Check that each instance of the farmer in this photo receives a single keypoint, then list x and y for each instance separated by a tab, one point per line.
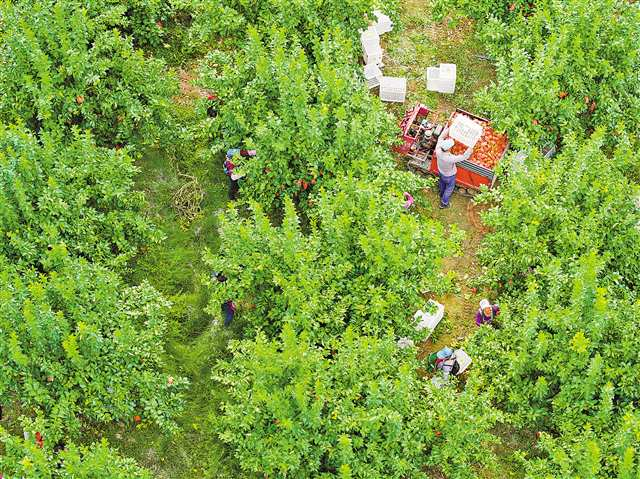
487	312
212	111
449	366
444	360
447	166
228	307
435	360
228	167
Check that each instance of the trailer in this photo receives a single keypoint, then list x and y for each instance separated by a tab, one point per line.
419	135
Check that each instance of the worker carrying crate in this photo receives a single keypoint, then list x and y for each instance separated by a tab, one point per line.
447	169
420	135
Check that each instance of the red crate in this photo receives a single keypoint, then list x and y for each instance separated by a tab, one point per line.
411	117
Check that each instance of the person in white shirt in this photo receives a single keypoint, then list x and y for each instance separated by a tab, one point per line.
447	166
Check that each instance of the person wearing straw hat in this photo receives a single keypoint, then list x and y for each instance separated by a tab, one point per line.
447	166
487	312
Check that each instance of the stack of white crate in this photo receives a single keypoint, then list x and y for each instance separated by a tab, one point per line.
442	79
372	75
391	88
371	49
383	22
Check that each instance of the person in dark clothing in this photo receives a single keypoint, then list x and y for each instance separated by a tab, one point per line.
212	111
229	166
229	310
228	307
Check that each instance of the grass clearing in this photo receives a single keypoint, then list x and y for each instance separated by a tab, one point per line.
194	345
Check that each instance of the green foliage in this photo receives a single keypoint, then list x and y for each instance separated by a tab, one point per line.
553	211
364	263
568	369
297	411
567	68
23	458
78	344
210	21
60	67
143	20
76	196
309	117
482	10
306	20
588	454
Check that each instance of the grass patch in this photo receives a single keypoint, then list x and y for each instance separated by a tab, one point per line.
193	345
421	43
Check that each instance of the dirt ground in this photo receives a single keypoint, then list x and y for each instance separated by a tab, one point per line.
462	304
407	53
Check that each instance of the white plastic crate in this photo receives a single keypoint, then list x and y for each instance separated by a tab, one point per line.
393	89
372	74
465	130
448	74
369	37
443	78
433	79
429	320
464	360
383	23
372	54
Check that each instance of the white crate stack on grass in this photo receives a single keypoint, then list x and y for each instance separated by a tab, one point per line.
371	49
372	75
443	78
372	54
393	89
383	22
369	36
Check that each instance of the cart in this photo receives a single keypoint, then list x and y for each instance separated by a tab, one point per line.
419	150
412	132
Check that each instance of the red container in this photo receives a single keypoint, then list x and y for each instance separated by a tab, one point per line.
411	121
471	175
